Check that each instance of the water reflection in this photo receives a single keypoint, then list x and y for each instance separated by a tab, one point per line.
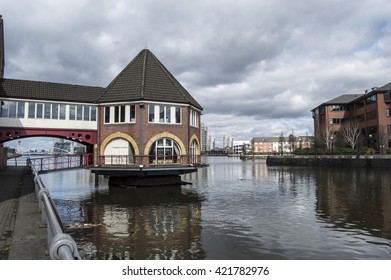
355	198
150	223
234	210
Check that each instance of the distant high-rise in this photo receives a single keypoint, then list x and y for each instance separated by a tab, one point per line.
227	140
204	138
211	142
2	59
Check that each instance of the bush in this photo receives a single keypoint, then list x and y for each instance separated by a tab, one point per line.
368	151
346	151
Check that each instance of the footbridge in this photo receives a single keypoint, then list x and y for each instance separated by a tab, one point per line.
33	108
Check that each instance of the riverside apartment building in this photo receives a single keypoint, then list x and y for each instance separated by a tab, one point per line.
370	112
274	145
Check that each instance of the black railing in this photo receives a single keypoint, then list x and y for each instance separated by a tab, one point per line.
149	160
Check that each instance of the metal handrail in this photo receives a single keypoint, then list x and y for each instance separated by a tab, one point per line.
61	245
60	162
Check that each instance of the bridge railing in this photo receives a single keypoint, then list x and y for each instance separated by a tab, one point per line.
61	246
60	162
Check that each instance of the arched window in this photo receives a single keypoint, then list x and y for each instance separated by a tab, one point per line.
119	152
164	151
194	152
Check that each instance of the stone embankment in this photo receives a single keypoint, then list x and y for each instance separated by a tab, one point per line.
341	160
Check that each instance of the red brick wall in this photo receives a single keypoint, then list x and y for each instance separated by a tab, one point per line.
381	121
183	131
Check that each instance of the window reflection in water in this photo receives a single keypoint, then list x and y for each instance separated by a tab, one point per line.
150	223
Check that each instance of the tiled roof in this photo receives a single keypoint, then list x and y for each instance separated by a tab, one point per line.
384	88
10	88
343	99
349	98
146	78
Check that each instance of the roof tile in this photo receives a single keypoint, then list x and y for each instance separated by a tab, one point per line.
36	90
146	78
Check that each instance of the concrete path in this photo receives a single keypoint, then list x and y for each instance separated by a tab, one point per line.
22	236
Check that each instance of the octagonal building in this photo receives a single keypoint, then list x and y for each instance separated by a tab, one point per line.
147	118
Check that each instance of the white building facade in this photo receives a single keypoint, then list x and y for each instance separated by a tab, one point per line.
241	146
227	140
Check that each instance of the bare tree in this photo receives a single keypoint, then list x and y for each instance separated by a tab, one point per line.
291	140
382	139
351	132
326	137
281	141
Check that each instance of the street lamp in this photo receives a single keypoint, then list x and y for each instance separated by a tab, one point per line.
370	140
332	143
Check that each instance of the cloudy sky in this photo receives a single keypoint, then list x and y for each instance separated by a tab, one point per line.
257	67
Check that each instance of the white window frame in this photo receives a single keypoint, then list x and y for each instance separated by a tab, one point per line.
194	117
14	109
127	112
169	114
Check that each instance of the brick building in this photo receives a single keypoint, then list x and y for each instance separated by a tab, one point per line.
143	117
273	145
147	116
369	112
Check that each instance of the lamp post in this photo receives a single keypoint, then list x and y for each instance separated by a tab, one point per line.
370	141
382	149
332	144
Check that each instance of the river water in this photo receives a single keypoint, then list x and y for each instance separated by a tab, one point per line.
232	210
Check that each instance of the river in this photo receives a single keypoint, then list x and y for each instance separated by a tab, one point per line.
232	210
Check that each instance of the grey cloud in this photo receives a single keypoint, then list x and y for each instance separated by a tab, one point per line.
251	60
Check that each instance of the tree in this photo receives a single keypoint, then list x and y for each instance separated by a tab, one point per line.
291	140
326	137
351	132
383	136
281	141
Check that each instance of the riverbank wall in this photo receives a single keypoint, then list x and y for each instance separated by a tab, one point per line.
341	160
